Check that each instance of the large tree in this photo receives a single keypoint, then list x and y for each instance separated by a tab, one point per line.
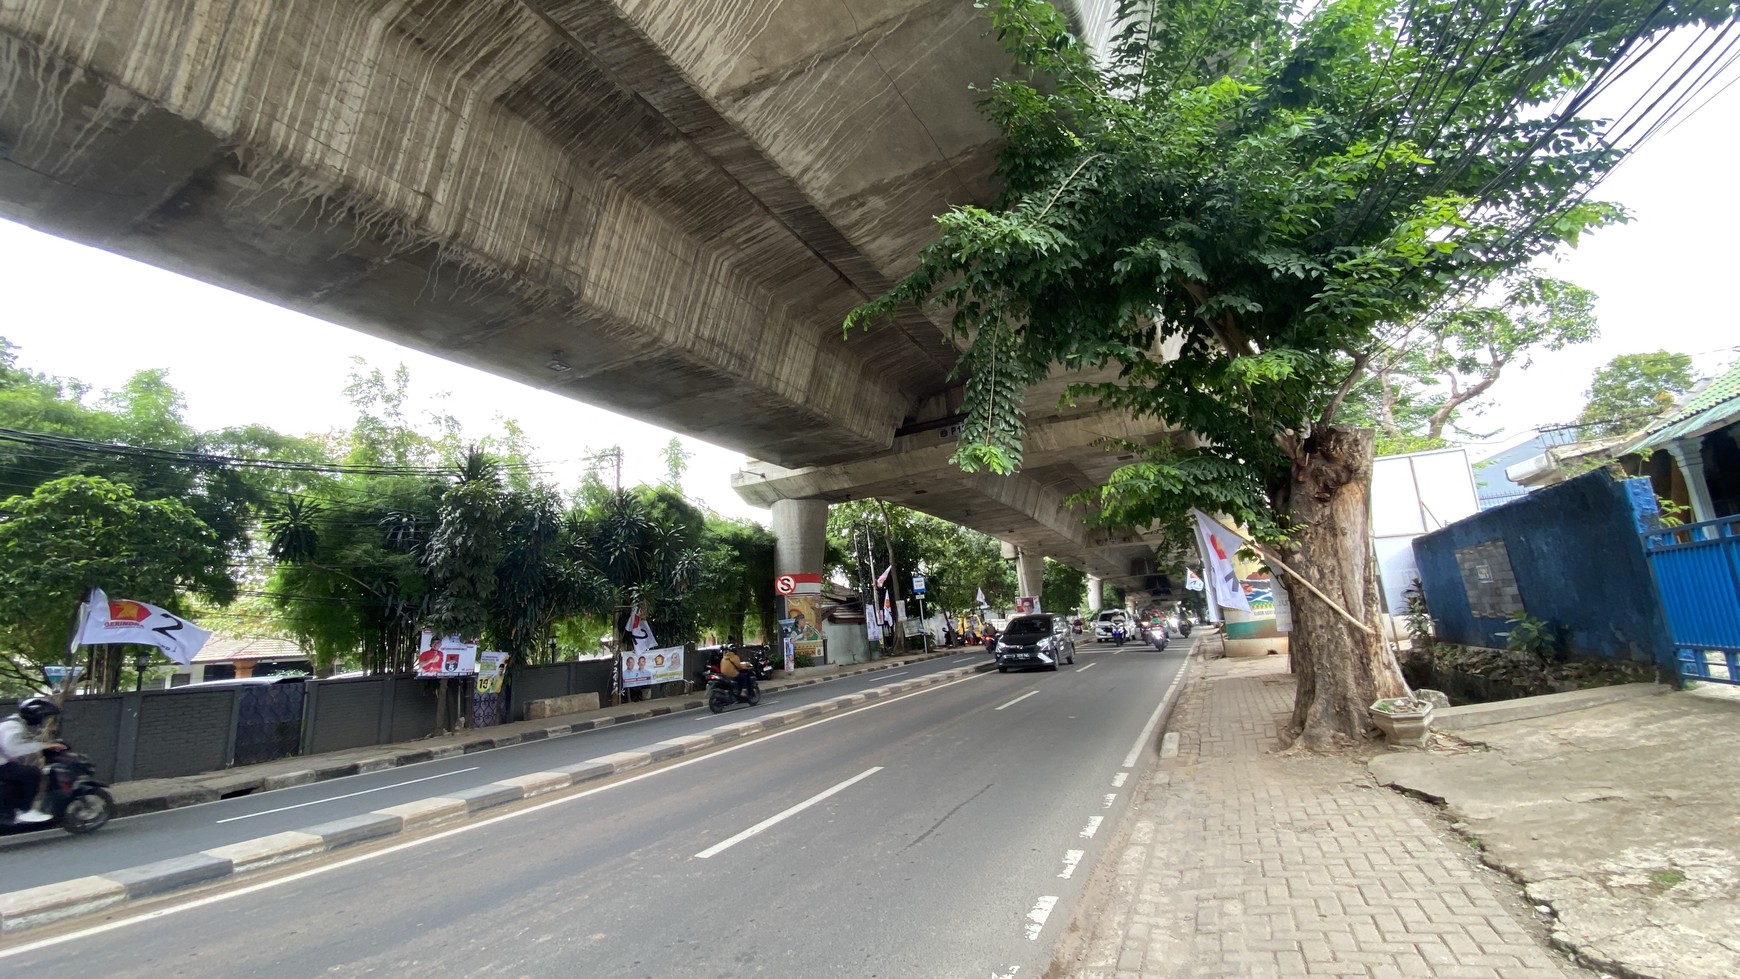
75	533
1268	186
1631	389
1427	373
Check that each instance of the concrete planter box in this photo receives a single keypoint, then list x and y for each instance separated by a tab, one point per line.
1405	722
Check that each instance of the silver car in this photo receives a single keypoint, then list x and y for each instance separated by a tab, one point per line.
1035	642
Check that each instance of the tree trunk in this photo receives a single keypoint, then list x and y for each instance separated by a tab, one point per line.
1341	668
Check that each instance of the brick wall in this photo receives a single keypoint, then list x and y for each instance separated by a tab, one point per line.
346	713
184	732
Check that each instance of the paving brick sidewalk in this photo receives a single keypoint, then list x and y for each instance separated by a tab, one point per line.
1244	863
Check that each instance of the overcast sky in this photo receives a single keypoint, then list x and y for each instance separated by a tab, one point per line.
1665	281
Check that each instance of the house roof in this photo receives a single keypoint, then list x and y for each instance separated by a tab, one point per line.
1713	406
228	649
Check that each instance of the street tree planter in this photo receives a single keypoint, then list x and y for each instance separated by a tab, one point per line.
1404	720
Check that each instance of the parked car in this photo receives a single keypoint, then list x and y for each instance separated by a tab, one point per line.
1103	624
1040	641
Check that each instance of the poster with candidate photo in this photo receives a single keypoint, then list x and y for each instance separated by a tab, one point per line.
439	656
663	664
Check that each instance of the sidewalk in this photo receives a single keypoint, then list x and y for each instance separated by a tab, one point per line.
1240	862
156	794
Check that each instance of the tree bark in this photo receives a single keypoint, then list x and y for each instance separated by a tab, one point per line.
1341	668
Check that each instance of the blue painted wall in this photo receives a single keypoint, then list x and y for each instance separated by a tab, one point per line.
1578	562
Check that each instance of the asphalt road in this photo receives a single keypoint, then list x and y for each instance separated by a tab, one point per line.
948	832
46	857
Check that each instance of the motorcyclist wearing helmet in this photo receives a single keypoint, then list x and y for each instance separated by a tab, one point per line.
20	753
732	667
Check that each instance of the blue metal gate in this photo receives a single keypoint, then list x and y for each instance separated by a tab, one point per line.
1697	572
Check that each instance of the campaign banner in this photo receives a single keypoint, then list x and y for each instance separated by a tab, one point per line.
660	665
490	671
439	656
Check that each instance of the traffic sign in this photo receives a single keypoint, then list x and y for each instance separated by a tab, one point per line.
785	584
918	584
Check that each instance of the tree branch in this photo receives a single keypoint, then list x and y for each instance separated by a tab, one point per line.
1226	331
1347	383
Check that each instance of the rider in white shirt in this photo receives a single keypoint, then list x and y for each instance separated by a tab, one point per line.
20	753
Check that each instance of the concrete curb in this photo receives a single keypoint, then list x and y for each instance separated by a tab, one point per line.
53	903
1525	708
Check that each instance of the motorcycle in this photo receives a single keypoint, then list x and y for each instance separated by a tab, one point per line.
71	794
1157	636
1184	627
1118	634
722	692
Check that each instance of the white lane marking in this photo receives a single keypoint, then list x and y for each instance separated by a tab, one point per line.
348	795
1111	799
780	817
197	903
1087	667
966	659
1154	719
1071	859
1119	779
1036	917
1017	700
884	676
1092	827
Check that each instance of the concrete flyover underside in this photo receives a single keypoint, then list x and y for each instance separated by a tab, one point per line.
662	207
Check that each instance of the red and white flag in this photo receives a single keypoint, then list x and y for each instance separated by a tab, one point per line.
1218	546
126	621
640	632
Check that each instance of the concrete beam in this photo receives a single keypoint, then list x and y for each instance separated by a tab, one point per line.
926	456
533	188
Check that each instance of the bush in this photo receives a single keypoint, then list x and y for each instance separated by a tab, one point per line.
801	660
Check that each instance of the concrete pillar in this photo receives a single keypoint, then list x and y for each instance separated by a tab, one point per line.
800	533
1096	588
1688	453
1030	572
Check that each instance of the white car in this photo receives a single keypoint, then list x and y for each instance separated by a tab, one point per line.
1103	625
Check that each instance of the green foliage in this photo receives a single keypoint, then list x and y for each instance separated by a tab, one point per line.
1418	616
1064	589
1267	190
80	532
1431	370
956	561
1535	637
1631	389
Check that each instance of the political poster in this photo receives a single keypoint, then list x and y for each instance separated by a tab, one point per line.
806	627
490	671
662	664
439	656
123	620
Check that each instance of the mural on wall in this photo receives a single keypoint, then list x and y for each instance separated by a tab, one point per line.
806	628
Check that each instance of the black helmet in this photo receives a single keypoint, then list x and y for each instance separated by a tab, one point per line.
35	710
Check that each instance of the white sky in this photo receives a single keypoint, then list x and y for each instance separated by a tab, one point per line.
1664	282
